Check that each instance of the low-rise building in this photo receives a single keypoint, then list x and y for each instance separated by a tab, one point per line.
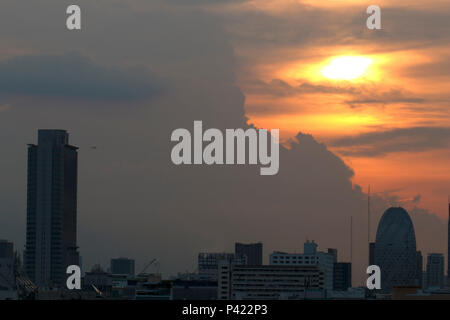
269	282
310	257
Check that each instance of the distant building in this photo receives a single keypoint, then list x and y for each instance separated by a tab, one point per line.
419	268
273	282
371	253
122	266
342	279
194	290
395	250
100	279
334	253
253	252
51	238
310	257
435	270
208	263
415	293
7	278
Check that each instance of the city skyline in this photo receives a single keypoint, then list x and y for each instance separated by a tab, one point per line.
137	72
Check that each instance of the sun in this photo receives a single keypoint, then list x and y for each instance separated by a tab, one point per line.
346	67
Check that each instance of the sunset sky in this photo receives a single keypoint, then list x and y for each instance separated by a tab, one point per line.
392	123
354	107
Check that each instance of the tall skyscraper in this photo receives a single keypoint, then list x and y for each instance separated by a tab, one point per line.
253	252
51	240
435	270
395	250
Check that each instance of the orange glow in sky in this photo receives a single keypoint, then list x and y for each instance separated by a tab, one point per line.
346	85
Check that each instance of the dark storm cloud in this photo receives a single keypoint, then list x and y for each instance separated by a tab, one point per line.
73	76
414	139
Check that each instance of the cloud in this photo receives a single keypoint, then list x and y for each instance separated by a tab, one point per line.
415	139
280	88
376	97
74	76
132	200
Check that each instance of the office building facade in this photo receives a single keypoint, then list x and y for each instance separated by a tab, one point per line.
269	282
253	252
310	257
51	239
7	277
208	263
342	276
435	271
122	266
395	250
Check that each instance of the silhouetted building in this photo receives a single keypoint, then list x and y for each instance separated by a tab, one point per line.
435	270
208	263
123	266
342	276
311	256
395	250
371	253
334	253
274	282
194	290
419	268
51	239
253	252
100	279
7	279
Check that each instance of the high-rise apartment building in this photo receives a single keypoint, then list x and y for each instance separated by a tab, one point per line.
51	239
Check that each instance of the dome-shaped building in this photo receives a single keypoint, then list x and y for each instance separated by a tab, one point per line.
395	250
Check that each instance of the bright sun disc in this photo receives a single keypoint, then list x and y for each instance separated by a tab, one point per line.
346	68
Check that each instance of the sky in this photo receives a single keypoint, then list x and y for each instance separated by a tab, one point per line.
140	69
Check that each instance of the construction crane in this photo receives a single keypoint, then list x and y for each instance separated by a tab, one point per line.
26	288
142	273
97	291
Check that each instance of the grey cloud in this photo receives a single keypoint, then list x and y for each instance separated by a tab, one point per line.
414	139
301	24
74	76
278	87
371	97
